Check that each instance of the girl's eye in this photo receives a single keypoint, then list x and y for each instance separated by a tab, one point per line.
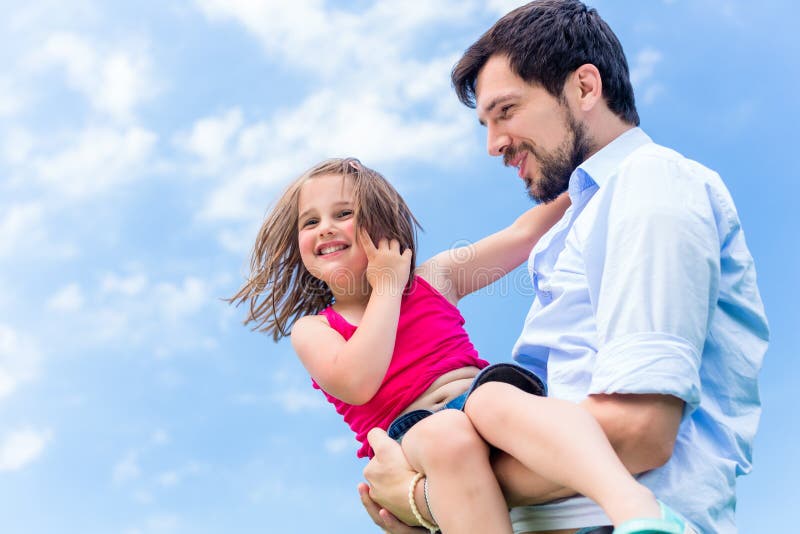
345	213
308	222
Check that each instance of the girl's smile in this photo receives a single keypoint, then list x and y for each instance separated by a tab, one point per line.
331	248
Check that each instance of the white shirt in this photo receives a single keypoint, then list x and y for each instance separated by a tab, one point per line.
646	285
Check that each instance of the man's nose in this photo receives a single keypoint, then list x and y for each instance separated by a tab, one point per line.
496	141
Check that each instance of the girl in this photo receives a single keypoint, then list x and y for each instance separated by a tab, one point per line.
334	264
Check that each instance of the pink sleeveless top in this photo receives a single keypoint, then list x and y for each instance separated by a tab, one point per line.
430	342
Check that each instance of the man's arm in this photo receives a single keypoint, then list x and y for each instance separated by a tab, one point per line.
641	428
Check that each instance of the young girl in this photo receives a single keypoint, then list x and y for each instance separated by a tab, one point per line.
334	263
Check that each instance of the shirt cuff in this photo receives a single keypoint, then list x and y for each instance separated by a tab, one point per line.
649	363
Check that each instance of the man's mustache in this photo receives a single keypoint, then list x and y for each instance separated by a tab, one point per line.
511	152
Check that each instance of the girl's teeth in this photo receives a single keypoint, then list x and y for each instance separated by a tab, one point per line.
329	250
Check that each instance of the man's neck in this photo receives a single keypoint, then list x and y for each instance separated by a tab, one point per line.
605	128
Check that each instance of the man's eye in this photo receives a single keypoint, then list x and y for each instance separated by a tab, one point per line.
505	109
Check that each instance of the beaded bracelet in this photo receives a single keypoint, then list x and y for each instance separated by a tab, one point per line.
413	504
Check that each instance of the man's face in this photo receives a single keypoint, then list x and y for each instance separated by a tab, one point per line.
533	130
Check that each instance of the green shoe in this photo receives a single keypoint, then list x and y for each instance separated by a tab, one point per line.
670	523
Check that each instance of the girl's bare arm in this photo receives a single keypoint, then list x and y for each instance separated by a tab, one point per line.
353	370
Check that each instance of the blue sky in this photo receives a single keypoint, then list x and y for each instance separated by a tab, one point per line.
140	146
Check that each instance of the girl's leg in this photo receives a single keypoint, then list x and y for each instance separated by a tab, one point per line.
463	492
561	442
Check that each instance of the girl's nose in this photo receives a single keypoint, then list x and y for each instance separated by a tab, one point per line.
325	227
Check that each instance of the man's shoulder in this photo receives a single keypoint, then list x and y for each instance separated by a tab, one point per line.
654	169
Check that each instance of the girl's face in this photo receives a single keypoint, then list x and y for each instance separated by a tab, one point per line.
326	233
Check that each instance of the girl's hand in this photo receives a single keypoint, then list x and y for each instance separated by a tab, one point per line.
388	269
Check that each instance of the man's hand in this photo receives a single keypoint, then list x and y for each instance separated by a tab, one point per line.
389	475
383	517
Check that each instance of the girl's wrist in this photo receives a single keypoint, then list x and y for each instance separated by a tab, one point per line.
388	287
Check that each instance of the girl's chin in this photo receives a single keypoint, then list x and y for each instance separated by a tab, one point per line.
344	281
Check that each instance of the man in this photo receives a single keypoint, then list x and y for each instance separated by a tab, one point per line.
646	311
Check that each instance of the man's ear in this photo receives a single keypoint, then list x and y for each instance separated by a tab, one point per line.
587	86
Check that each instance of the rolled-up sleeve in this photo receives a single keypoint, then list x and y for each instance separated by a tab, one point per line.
653	273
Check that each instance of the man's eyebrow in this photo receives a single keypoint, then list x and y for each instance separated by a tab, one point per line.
495	102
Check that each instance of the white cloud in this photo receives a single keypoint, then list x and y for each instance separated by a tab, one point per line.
238	240
67	299
100	158
19	360
21	447
340	444
501	7
651	93
174	477
644	66
127	469
24	233
365	125
209	139
324	40
17	144
28	18
114	81
142	497
20	226
131	310
124	285
12	98
237	198
359	106
168	479
160	437
158	524
642	75
177	302
297	400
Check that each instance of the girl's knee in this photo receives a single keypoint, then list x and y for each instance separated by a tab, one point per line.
491	402
446	437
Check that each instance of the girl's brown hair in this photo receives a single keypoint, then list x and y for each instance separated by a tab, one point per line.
280	289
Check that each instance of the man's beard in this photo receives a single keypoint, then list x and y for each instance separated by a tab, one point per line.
557	166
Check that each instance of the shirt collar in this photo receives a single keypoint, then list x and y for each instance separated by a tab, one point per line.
605	161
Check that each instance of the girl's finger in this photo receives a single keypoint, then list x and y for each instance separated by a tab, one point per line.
366	242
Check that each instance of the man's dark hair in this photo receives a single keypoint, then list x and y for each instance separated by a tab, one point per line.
545	41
